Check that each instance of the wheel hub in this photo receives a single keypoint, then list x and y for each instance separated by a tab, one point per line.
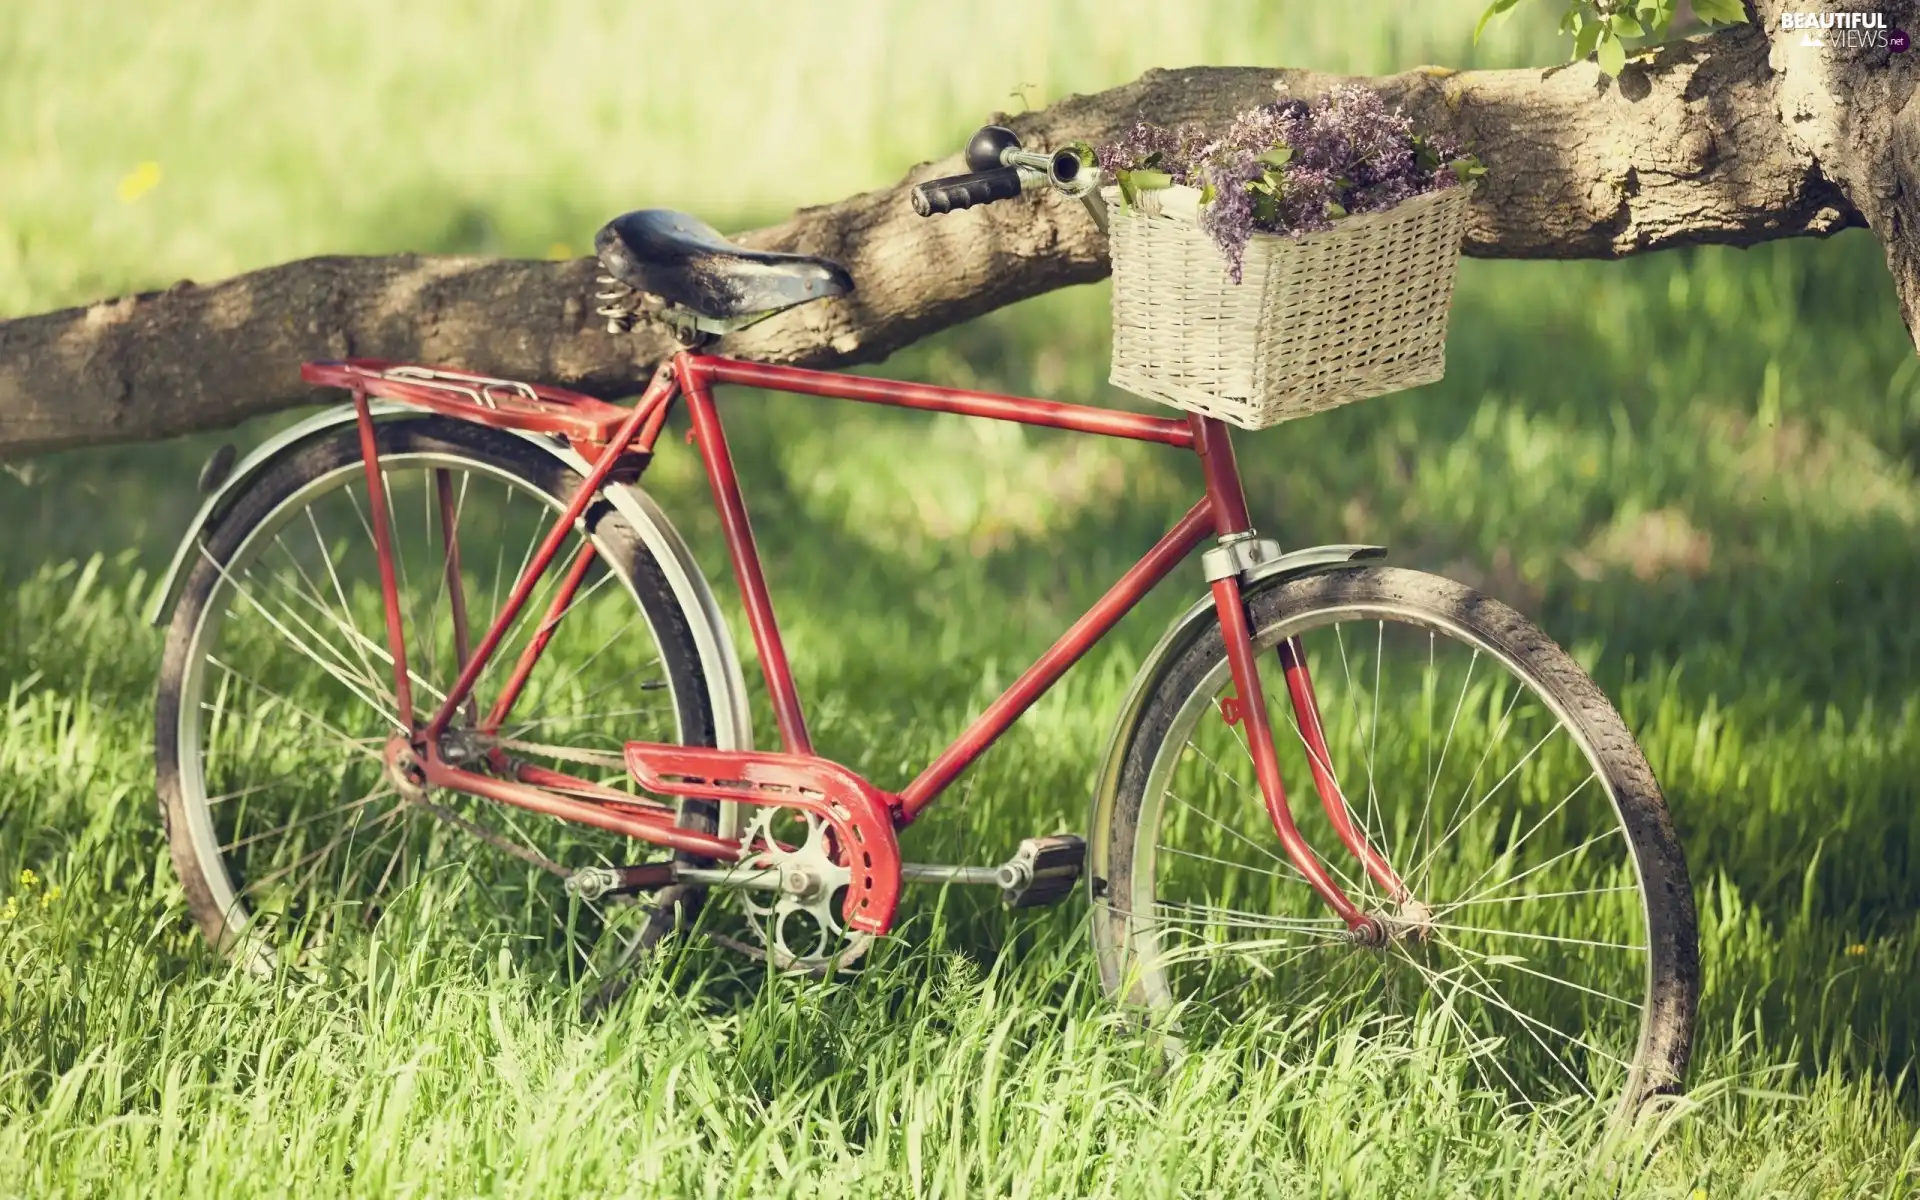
408	777
1412	921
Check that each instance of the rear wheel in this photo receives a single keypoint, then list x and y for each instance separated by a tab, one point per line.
1551	938
276	705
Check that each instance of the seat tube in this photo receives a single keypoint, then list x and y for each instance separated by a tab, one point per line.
697	388
1213	444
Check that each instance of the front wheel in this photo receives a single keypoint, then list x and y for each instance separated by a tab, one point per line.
1550	936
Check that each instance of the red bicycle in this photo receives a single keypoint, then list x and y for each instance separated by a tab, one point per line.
443	629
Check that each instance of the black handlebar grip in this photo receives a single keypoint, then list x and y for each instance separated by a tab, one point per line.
964	191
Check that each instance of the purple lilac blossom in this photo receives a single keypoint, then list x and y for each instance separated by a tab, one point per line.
1347	149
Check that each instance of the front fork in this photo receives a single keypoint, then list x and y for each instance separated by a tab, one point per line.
1249	708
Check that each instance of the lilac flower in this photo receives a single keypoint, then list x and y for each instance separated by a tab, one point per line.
1291	167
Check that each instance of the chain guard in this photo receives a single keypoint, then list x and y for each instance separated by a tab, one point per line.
859	815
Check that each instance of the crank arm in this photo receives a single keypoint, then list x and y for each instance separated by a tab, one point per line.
1042	871
768	879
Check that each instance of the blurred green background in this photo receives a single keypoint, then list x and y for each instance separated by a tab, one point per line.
1697	469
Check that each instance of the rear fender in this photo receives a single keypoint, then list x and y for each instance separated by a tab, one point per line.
726	688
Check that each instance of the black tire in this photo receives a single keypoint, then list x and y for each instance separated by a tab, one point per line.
1442	609
326	464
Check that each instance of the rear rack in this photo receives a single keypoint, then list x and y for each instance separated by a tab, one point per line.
502	403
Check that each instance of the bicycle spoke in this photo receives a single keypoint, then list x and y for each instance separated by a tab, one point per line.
1513	850
1433	774
1425	867
1524	936
330	668
1533	1025
1208	858
339	591
362	745
250	839
1376	835
341	617
1508	963
1448	1006
1238	919
385	818
1234	833
1534	896
361	642
1564	854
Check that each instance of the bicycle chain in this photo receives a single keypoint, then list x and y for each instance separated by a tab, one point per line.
589	758
501	843
493	839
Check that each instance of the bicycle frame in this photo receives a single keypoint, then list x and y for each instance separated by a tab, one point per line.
608	436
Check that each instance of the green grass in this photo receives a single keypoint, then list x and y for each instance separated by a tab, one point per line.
1697	470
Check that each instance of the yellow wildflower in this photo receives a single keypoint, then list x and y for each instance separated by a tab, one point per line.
28	880
11	909
138	182
50	895
1857	950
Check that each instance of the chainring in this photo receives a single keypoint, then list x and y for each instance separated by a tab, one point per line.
798	925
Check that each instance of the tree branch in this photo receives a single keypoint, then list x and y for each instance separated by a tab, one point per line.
1695	143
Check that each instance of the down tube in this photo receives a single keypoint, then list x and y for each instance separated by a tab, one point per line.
1076	641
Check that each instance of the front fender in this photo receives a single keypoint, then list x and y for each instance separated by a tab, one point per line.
727	691
1179	637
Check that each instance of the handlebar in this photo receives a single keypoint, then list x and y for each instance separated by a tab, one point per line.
1001	169
956	192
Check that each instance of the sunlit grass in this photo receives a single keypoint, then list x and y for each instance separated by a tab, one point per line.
1697	470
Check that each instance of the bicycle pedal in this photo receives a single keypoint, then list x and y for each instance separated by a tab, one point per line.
1042	871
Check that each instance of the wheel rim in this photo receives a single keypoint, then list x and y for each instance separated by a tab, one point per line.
1535	953
286	706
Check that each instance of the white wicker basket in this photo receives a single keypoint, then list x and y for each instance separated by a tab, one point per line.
1316	321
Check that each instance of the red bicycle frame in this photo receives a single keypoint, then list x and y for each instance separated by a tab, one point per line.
863	817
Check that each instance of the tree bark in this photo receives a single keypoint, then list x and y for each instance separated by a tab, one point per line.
1736	137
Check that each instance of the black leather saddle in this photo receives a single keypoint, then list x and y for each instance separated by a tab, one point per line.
686	262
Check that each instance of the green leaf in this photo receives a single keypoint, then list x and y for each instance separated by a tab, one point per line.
1150	181
1425	157
1207	192
1493	10
1624	26
1467	168
1583	43
1611	53
1335	209
1480	26
1720	12
1277	157
1150	161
